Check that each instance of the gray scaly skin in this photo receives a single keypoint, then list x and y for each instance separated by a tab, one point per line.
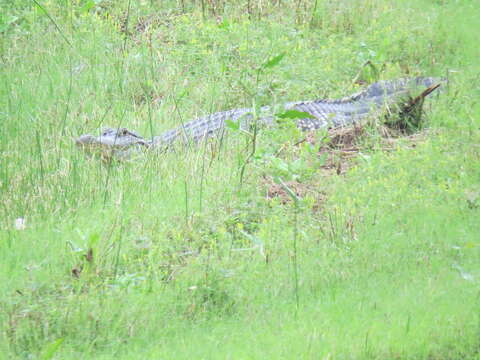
323	114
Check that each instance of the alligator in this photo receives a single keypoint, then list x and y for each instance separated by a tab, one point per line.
309	115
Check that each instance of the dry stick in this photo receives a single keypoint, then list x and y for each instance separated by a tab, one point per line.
418	101
424	94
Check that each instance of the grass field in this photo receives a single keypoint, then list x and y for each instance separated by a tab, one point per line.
199	254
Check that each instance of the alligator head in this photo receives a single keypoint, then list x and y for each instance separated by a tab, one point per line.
117	143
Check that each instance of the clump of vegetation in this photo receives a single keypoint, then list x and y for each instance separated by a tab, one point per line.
408	116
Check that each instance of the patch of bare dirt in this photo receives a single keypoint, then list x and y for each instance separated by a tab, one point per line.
340	147
344	144
301	190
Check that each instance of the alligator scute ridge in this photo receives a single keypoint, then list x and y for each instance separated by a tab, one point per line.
326	113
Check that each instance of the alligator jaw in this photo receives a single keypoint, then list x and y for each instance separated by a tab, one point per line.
117	143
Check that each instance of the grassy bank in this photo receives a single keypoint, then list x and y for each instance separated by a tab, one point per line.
199	253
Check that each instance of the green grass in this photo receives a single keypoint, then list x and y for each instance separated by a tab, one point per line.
189	261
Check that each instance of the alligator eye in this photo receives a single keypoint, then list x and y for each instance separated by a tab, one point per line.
124	132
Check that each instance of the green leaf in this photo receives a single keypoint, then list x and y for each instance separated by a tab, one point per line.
51	349
295	114
252	238
232	125
87	6
470	245
4	25
93	239
224	24
273	61
289	191
322	159
279	164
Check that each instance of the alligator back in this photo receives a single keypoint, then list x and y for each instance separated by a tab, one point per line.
324	113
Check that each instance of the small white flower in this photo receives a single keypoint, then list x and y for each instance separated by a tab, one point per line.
20	224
